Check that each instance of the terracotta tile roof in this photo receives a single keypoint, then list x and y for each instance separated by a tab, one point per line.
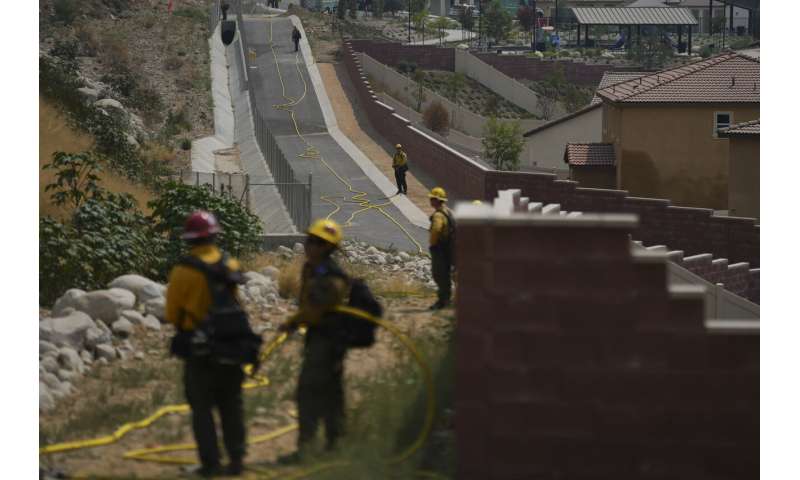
613	78
753	127
590	154
726	78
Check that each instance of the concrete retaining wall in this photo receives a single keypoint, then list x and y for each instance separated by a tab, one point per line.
403	88
692	230
499	82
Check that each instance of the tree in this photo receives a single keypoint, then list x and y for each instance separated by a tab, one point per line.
436	117
498	21
420	20
76	178
441	24
454	85
525	17
466	19
651	52
418	93
502	143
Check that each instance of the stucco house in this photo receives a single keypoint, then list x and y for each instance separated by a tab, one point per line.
664	128
744	168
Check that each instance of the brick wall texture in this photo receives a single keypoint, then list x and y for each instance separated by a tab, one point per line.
520	67
693	230
576	363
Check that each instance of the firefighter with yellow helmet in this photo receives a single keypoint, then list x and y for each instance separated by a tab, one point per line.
400	166
441	246
320	390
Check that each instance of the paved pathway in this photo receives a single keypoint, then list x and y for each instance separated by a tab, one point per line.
282	77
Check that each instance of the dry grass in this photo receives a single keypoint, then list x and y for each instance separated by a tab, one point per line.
289	278
56	135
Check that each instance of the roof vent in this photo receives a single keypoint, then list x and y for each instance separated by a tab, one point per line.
733	81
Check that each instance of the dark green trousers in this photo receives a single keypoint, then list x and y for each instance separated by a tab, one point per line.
320	389
440	268
209	385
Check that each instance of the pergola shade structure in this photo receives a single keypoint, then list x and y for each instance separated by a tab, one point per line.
637	16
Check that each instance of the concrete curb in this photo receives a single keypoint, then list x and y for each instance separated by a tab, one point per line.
414	215
202	156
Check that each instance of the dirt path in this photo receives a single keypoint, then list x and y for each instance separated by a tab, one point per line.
340	93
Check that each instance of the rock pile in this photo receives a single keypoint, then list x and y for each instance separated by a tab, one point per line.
90	328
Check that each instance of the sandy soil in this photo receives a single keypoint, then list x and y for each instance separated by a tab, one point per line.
342	97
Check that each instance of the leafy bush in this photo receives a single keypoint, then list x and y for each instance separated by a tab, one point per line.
186	144
738	43
66	11
706	51
436	117
241	230
502	143
107	236
76	178
404	66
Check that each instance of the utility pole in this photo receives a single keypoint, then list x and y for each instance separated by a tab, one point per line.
409	22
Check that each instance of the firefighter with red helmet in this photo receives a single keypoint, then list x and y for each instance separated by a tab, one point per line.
208	384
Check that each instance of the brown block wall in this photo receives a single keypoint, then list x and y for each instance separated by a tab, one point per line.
426	57
692	230
575	362
527	68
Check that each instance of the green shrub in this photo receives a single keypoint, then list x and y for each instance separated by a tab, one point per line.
241	230
186	144
502	144
706	51
65	10
107	236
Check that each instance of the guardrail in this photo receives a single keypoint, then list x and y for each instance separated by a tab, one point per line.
296	195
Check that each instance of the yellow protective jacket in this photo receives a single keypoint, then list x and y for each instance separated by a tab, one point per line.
399	160
322	288
440	228
188	297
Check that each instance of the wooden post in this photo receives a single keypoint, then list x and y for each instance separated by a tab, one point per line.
730	20
579	34
680	36
689	46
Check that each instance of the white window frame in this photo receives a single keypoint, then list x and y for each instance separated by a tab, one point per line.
716	125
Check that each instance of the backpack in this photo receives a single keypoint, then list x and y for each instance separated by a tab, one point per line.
359	332
353	331
224	335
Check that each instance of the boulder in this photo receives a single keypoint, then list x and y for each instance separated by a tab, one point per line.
91	94
156	307
50	364
285	251
64	389
139	356
66	375
132	316
45	347
255	277
271	272
46	400
122	328
372	251
96	336
151	323
299	248
110	103
144	288
87	357
69	330
69	359
105	352
50	379
70	299
106	305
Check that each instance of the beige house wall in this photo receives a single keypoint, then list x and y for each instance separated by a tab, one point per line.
744	194
545	149
671	151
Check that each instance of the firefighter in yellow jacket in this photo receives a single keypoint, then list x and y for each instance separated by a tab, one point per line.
400	166
441	247
320	389
207	384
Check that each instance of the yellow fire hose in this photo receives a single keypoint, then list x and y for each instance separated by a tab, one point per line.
154	454
358	197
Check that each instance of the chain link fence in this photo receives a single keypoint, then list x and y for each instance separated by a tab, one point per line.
296	195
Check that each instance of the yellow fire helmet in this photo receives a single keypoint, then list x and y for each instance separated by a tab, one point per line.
477	202
327	230
398	146
438	193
